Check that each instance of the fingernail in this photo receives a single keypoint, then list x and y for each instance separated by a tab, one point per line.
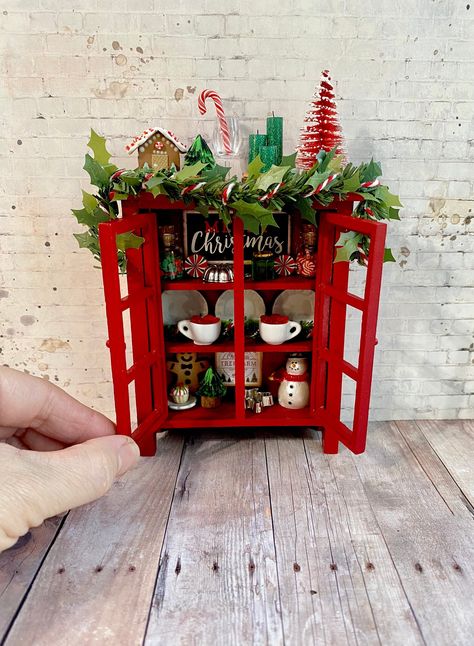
128	454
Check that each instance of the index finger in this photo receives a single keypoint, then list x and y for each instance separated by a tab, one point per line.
31	402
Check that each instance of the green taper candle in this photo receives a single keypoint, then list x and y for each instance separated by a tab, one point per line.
275	134
255	144
269	157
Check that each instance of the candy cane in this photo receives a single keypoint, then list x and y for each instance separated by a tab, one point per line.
224	126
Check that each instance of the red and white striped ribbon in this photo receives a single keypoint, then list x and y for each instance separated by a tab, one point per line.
223	125
226	192
192	188
321	186
272	193
370	184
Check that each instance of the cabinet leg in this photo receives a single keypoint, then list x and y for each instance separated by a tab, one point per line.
148	445
330	442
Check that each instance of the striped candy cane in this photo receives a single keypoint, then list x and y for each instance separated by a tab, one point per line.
223	125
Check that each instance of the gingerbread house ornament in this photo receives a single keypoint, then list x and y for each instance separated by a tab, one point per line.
157	147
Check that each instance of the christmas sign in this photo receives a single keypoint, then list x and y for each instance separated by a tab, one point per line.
211	238
225	367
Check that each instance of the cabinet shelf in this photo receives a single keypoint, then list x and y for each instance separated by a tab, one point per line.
189	346
194	283
277	415
199	417
291	346
279	284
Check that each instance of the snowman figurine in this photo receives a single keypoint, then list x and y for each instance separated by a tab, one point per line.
294	388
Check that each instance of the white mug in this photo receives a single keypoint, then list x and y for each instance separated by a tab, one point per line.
200	333
276	333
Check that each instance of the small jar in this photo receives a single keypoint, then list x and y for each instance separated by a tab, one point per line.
263	265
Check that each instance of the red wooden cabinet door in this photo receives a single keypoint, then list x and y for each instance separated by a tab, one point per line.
139	388
332	372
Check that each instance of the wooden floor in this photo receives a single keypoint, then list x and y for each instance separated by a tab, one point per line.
259	538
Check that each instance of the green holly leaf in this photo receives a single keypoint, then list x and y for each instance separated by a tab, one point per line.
84	216
98	146
155	181
203	209
268	221
303	204
99	176
335	164
352	183
324	158
289	160
217	172
89	201
317	178
86	240
129	241
255	167
393	214
347	244
272	176
390	199
251	213
370	171
388	256
189	171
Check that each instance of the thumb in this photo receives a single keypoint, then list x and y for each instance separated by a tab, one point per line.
36	485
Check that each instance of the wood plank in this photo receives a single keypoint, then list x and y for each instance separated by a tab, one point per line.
338	583
453	442
217	582
97	581
19	565
430	540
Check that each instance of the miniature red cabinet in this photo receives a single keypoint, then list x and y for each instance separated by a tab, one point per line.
146	382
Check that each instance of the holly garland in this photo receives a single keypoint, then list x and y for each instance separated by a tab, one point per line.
254	199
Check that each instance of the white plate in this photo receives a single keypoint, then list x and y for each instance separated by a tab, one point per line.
254	305
189	404
181	305
297	304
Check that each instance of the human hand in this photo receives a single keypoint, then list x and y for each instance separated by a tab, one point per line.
54	476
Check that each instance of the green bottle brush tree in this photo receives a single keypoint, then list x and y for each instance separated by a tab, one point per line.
211	389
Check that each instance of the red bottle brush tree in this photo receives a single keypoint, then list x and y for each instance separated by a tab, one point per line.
321	130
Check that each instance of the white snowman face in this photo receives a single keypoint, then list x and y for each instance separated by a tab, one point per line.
296	365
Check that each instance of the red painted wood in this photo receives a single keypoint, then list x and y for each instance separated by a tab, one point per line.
239	314
148	370
332	301
149	347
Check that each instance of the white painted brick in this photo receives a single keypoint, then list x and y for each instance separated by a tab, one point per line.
417	78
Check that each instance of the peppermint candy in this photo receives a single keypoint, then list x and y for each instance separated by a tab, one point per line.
285	265
306	264
195	265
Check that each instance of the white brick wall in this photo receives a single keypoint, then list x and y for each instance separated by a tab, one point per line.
403	72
